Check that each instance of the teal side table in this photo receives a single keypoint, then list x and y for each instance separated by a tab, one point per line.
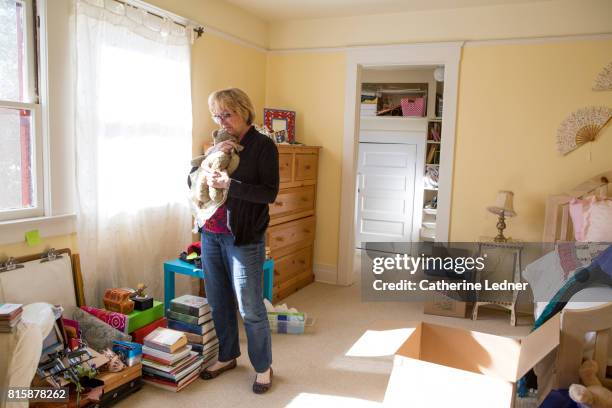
185	268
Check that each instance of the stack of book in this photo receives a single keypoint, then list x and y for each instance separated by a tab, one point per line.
168	361
369	103
10	315
192	315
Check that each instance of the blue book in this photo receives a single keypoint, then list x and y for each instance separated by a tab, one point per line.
185	327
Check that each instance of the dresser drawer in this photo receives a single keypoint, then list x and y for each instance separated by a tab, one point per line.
306	167
285	167
292	265
293	200
292	285
287	237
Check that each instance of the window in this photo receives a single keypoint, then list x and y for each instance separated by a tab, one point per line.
21	181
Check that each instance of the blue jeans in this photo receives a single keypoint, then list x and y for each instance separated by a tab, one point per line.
230	270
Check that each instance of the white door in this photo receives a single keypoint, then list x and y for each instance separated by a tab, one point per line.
385	192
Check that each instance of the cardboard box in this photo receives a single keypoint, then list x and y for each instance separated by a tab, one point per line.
442	305
440	366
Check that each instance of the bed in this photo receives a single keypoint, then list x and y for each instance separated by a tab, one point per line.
586	327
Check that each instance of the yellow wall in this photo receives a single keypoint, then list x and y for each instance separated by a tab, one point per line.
512	99
22	249
518	20
220	15
218	63
312	84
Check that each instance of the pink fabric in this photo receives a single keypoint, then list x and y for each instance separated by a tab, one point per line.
217	224
599	227
117	320
592	219
577	212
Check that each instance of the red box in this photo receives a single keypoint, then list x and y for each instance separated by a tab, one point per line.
139	334
413	106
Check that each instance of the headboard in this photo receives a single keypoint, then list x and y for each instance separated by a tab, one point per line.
56	281
578	321
557	222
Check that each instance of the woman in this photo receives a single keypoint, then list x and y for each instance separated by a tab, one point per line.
233	249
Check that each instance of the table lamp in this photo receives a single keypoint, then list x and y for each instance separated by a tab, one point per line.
503	208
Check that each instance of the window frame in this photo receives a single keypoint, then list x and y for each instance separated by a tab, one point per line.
32	104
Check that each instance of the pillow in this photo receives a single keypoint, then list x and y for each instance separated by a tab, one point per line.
591	219
578	212
545	276
96	333
599	228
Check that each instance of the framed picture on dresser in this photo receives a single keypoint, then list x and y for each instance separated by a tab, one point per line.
278	120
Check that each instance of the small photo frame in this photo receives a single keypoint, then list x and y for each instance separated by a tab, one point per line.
278	120
280	136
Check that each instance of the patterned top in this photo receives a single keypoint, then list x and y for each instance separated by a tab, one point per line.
217	224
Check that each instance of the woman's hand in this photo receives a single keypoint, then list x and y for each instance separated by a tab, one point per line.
218	180
225	146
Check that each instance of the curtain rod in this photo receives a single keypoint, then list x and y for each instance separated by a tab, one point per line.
161	13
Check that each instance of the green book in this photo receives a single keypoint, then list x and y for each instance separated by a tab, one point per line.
140	318
188	318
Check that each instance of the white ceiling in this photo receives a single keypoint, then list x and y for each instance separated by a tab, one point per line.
278	10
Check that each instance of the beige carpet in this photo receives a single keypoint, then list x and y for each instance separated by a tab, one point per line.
314	369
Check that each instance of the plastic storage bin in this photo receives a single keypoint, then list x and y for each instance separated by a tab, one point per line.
289	323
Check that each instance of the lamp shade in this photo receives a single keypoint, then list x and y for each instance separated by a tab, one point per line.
503	204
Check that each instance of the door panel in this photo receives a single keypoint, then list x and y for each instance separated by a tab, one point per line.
385	192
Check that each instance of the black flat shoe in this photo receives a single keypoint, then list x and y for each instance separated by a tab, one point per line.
259	388
210	374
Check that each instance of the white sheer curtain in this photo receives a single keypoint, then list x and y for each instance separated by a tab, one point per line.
133	145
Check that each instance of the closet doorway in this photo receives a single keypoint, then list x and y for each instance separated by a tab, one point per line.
424	132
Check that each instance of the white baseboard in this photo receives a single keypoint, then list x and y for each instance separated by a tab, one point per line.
325	273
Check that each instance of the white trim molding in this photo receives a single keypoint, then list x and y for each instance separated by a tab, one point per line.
325	273
13	232
447	54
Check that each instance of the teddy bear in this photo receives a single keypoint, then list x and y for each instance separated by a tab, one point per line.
592	394
204	196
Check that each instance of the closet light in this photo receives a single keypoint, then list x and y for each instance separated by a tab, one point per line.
439	74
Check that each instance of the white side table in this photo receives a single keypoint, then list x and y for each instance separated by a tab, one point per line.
500	255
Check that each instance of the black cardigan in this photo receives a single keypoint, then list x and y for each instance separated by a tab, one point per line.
254	185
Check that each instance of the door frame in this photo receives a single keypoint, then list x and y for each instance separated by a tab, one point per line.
447	54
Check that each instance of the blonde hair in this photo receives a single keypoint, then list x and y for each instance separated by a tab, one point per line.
232	99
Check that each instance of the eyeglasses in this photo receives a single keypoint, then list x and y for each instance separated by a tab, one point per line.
222	117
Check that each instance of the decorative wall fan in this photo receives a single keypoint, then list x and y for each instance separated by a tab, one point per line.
581	126
603	82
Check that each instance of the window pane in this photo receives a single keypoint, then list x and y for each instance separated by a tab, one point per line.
16	154
13	59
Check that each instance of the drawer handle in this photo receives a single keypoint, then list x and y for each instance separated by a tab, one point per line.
307	167
304	199
303	262
280	239
306	231
278	203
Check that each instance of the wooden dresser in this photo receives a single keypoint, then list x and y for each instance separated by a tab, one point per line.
291	233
